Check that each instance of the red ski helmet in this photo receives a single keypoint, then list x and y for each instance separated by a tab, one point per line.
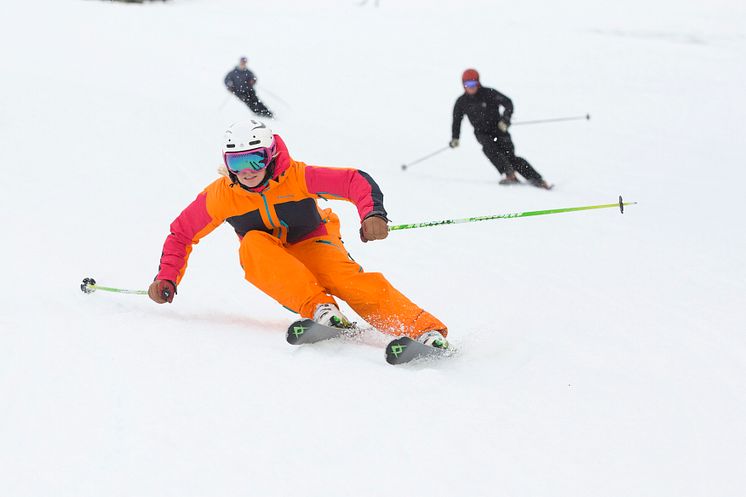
470	75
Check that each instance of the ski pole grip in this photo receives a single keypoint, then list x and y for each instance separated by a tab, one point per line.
88	285
168	290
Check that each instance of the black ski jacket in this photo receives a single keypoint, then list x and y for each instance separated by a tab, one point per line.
240	81
483	111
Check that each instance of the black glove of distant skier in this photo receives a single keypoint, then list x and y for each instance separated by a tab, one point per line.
162	291
453	143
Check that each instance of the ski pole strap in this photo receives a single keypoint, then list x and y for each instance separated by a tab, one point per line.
619	205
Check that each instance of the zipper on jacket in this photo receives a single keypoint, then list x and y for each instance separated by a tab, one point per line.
266	208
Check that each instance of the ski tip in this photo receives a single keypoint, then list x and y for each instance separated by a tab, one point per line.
394	349
295	331
404	350
403	167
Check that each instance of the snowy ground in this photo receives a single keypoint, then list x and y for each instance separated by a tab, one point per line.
600	354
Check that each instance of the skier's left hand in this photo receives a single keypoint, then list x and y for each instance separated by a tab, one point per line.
503	126
162	291
374	228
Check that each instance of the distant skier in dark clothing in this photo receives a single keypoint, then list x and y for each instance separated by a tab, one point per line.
482	106
240	81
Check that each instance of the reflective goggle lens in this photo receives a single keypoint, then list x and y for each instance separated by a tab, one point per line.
256	160
471	84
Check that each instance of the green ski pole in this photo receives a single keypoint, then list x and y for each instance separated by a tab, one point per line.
620	205
89	286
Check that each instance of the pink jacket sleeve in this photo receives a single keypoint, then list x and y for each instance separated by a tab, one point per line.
350	184
193	223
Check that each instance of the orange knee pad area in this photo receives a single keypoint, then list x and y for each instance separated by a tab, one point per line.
303	275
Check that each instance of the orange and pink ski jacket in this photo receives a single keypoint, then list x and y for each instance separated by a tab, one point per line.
285	208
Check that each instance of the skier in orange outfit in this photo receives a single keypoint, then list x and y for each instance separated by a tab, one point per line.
290	248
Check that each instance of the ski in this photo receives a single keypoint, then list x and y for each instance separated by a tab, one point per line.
403	350
309	331
399	351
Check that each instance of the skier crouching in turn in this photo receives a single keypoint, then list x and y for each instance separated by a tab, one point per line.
482	106
290	248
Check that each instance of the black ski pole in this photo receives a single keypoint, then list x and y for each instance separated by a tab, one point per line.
405	166
554	120
225	101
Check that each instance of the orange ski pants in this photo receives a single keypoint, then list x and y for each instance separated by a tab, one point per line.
303	275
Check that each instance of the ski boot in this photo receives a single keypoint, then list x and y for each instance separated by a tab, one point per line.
434	339
330	315
540	183
510	179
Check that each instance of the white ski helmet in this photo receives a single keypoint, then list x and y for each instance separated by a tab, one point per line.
248	135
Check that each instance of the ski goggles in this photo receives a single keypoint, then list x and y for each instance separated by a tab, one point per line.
255	160
471	84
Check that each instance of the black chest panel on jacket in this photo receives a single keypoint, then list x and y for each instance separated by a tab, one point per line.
298	218
247	222
301	217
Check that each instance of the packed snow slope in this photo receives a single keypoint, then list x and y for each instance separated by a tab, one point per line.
599	354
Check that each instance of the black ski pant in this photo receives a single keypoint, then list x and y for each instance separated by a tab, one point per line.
253	102
499	149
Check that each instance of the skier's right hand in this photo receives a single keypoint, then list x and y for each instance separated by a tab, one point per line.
453	143
162	291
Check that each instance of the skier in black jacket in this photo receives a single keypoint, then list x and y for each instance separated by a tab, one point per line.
482	106
240	81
